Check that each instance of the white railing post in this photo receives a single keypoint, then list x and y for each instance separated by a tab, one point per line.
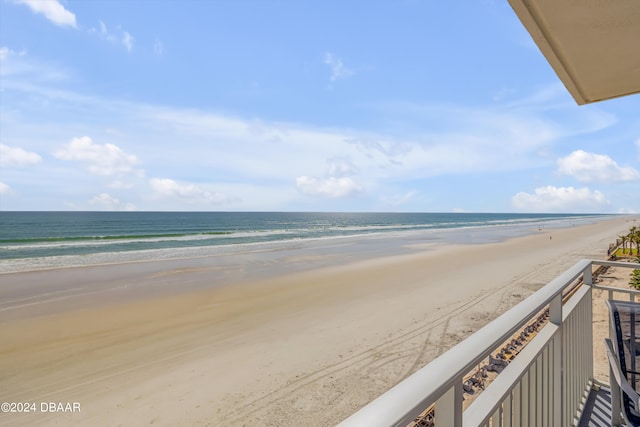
616	398
555	317
587	275
448	410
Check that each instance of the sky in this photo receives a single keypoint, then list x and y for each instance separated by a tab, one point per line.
283	105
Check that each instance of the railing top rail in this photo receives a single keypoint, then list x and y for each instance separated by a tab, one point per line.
620	290
616	263
404	402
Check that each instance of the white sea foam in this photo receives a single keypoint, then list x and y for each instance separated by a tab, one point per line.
142	248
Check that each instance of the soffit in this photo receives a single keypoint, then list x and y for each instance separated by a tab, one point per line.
593	46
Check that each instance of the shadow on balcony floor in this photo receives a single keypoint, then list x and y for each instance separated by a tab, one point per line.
597	411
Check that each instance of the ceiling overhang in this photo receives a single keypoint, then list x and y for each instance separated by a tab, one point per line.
592	45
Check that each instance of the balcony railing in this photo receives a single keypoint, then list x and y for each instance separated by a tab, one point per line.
545	385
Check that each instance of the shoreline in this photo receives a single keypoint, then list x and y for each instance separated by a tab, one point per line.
301	347
482	234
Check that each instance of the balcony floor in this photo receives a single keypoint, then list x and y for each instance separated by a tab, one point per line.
597	411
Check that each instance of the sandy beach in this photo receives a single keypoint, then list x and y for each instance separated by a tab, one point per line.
160	343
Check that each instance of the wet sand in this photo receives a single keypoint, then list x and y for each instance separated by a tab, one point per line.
186	342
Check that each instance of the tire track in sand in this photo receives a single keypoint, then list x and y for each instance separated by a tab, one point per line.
400	350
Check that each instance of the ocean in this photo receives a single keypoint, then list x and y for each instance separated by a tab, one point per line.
38	235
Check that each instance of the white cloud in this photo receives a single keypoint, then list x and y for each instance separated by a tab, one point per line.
168	188
127	41
329	187
52	10
627	211
4	188
249	157
339	167
387	148
113	36
17	157
337	67
119	185
19	65
336	184
561	199
108	202
448	140
591	167
101	159
5	52
158	47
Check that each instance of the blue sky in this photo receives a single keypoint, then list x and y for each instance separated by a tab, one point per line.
289	105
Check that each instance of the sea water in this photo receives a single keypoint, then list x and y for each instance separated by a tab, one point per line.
63	237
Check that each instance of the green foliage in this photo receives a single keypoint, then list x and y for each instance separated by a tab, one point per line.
630	243
620	252
635	279
633	239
